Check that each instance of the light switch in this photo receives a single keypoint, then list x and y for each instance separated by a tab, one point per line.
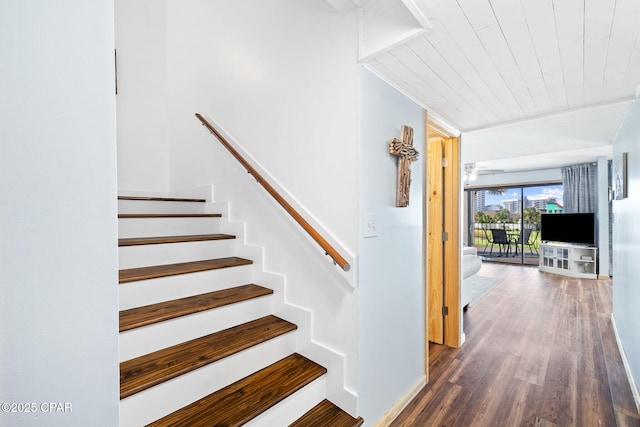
369	225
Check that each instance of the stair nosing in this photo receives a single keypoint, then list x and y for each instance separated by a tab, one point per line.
144	372
169	215
166	270
247	389
141	241
172	309
162	199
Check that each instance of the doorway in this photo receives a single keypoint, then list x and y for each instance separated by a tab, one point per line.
442	198
503	222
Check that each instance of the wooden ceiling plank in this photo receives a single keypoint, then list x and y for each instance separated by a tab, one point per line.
598	17
451	19
513	26
492	109
569	16
541	22
625	24
389	67
418	75
482	18
490	62
478	13
493	40
426	75
633	70
442	43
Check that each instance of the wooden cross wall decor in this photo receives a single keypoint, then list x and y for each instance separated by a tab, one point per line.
403	148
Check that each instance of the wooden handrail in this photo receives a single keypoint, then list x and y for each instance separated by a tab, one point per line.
326	246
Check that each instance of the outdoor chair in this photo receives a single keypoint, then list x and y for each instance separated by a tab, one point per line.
526	238
500	239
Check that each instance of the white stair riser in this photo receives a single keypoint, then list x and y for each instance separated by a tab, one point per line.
157	206
147	339
145	292
169	253
152	227
293	407
156	402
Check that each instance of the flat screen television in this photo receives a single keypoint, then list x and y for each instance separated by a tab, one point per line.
577	228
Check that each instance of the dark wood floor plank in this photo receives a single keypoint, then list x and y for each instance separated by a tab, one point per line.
595	407
591	360
540	351
621	395
243	400
326	414
154	313
139	241
438	381
488	390
559	400
520	407
152	369
153	272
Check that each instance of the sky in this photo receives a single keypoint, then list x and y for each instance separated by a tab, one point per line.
546	191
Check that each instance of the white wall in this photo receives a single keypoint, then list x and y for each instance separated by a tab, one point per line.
281	77
142	134
626	250
58	263
391	272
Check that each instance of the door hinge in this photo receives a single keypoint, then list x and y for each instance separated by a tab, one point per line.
445	162
115	65
445	236
445	310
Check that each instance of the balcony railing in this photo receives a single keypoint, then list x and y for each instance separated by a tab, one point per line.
482	237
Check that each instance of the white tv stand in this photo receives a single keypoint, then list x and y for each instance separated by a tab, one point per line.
569	260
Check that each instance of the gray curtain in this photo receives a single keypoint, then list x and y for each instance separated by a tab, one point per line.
580	183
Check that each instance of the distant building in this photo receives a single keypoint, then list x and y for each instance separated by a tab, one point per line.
479	200
552	206
492	208
540	203
513	206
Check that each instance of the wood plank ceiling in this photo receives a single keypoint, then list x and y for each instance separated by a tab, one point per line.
477	64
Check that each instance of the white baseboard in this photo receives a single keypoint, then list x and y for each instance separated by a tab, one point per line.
402	403
627	368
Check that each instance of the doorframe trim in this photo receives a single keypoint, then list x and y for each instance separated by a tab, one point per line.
453	335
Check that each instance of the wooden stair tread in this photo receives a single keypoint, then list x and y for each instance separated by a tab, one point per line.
170	215
137	241
327	414
154	313
155	271
245	399
152	369
161	199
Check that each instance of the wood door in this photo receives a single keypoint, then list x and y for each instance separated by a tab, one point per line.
435	205
451	247
443	223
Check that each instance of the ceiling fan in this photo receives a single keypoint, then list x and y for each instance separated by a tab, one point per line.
471	172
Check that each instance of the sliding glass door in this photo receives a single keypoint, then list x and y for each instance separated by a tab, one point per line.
504	222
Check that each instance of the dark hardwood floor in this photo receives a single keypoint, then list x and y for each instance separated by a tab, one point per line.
540	351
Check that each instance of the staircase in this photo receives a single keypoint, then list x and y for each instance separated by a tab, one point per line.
199	342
